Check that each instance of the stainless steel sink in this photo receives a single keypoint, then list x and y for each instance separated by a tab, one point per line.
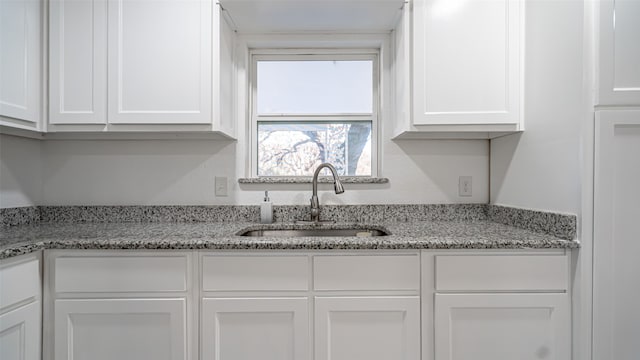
313	232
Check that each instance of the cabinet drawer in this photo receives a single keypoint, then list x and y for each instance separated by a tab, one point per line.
19	281
502	272
359	272
121	273
255	273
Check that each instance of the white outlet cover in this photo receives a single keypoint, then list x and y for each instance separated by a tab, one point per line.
465	186
221	187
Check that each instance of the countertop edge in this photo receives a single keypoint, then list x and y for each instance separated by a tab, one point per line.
233	243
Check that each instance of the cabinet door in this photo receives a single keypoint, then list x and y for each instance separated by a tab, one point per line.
20	62
255	328
619	47
20	331
367	328
123	329
502	326
467	62
20	281
159	61
78	62
616	290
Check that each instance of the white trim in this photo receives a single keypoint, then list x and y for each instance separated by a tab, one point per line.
313	117
332	41
582	258
354	53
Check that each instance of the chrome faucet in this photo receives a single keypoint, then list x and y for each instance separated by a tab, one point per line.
315	204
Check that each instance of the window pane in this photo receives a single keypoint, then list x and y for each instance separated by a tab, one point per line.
314	87
296	149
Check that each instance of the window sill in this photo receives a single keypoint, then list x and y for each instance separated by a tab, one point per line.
308	180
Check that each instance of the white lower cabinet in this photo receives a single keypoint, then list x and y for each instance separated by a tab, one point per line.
20	308
365	306
351	305
125	305
123	329
20	333
502	326
367	328
496	305
254	328
254	306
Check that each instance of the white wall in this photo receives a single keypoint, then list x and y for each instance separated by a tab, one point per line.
182	172
538	169
541	168
20	171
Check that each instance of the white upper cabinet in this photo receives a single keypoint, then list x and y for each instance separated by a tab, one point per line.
20	74
20	308
78	62
466	68
122	65
619	47
159	61
466	62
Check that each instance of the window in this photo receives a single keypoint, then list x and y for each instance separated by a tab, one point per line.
310	107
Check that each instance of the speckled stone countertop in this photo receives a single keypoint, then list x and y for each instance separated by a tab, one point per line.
477	234
309	180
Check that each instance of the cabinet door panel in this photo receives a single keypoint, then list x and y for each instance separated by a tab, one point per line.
367	328
78	62
160	61
255	273
616	318
19	281
20	60
619	52
502	326
501	272
466	62
124	329
255	328
20	331
149	272
362	272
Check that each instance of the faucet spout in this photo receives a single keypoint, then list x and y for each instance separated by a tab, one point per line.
315	203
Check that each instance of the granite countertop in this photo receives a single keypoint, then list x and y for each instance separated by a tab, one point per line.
477	234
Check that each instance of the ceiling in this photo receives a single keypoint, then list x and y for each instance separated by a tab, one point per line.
281	16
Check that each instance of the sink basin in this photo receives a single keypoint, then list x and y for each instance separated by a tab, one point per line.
313	232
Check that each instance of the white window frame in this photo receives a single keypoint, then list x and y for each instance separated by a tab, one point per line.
256	55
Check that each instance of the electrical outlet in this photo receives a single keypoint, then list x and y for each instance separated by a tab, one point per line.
464	186
221	187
